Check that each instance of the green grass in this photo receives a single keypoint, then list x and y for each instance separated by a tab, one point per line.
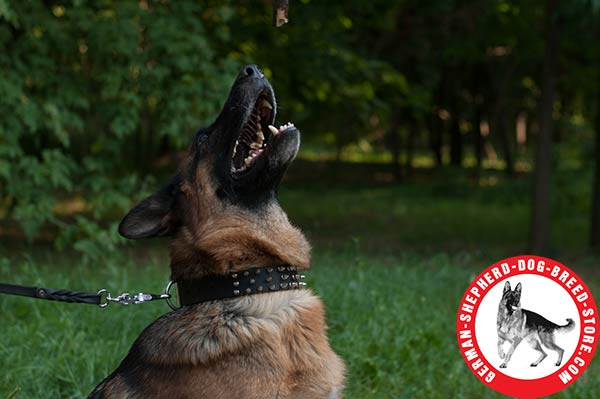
446	210
390	260
391	318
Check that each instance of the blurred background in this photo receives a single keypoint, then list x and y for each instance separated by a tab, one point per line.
423	120
438	137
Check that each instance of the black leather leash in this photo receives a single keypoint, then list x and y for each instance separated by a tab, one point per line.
51	294
101	298
257	280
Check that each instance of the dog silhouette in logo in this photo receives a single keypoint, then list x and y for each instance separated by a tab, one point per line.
516	324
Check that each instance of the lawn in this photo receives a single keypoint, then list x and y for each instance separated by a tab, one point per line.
390	261
391	318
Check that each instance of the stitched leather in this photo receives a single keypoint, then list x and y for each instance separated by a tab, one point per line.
51	294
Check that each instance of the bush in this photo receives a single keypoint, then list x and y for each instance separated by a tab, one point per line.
93	91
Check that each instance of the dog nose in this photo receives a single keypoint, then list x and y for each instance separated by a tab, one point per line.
251	71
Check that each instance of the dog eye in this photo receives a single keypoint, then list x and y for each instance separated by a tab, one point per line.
201	138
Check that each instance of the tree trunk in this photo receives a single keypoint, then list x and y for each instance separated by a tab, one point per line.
339	147
595	228
437	128
395	143
506	147
455	141
410	147
478	140
542	181
456	147
498	120
435	125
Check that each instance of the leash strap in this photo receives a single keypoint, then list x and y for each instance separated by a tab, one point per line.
209	288
101	298
51	294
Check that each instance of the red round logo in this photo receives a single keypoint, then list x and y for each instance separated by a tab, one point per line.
527	326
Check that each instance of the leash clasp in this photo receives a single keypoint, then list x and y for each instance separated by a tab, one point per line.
126	298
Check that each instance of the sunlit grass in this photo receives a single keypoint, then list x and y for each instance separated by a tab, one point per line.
421	159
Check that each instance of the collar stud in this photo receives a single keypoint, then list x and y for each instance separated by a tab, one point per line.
235	284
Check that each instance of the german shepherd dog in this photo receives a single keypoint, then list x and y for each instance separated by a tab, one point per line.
222	212
516	324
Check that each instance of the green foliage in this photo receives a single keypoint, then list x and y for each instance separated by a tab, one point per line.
97	97
90	96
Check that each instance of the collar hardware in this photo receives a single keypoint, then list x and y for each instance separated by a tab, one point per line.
247	282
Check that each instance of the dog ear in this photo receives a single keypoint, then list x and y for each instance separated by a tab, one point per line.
518	289
506	287
153	216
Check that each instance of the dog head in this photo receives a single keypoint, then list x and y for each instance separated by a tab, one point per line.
511	299
221	206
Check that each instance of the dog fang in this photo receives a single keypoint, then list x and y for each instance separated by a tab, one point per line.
274	130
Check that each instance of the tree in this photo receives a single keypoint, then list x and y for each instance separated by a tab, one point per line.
595	227
90	95
542	180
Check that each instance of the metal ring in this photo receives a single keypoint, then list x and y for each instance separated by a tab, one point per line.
167	289
105	304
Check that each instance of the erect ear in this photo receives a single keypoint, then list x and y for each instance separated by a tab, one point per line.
518	289
154	216
506	287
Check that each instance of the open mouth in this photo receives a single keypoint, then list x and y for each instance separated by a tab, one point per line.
256	135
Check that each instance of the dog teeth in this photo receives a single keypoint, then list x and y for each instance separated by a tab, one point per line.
286	126
255	141
267	104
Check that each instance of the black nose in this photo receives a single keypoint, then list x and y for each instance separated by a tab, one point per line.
251	71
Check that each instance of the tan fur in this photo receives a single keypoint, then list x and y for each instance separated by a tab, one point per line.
226	238
261	346
271	345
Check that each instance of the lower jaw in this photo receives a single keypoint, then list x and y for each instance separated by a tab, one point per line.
254	153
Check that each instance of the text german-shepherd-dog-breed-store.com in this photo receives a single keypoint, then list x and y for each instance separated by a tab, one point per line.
247	328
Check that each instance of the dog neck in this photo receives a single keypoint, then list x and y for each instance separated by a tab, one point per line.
234	239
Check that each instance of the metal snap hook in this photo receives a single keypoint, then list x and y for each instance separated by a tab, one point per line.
168	296
105	298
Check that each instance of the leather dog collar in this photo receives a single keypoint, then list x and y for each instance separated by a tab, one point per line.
246	282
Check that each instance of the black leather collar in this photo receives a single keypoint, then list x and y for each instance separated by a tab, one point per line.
246	282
